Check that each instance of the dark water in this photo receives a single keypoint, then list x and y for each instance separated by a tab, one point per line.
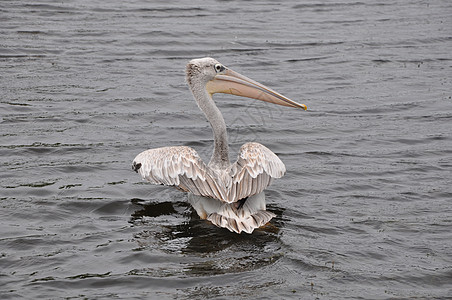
364	211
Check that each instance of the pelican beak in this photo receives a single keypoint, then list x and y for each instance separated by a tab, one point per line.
230	82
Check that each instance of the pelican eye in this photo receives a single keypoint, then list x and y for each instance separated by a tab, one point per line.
219	68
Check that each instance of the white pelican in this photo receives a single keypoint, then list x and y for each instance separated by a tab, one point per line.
228	195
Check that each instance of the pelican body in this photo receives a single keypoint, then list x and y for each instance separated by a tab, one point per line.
230	195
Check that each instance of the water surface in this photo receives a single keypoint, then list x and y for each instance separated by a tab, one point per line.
364	210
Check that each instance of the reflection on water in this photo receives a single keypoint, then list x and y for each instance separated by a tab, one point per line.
153	209
219	250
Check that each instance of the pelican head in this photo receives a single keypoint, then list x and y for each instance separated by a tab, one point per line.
214	77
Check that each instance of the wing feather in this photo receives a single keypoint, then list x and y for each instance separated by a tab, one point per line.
177	166
183	168
253	171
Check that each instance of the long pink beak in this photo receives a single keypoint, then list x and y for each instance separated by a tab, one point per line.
230	82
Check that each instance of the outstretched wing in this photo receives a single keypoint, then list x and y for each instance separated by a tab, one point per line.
180	167
253	171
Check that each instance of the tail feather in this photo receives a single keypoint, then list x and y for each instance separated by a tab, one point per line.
246	215
237	224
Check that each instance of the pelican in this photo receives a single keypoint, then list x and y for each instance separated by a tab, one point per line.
228	195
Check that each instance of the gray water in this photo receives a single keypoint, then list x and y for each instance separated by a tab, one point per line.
363	212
